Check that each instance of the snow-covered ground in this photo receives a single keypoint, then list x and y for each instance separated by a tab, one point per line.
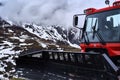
5	74
7	61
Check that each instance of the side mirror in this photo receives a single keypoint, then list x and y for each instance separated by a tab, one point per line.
75	20
78	20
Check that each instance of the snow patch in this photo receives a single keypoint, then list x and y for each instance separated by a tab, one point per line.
22	40
43	45
24	36
7	51
10	22
1	47
10	31
6	42
24	44
74	45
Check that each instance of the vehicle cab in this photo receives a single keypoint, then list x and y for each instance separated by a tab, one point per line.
101	30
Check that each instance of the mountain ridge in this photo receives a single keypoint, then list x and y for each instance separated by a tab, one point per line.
44	37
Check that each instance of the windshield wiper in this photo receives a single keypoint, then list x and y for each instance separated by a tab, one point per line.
85	35
86	38
100	38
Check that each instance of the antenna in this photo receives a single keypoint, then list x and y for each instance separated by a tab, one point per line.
107	2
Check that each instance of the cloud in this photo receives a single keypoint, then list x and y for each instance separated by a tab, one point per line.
45	12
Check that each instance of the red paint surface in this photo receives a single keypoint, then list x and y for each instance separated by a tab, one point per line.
112	48
93	10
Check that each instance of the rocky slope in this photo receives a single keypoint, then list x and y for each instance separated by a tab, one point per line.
33	37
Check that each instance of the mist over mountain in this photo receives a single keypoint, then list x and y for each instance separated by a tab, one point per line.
45	12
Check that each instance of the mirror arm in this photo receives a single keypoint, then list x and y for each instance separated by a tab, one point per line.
79	14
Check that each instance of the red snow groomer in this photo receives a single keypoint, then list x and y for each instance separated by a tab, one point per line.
101	30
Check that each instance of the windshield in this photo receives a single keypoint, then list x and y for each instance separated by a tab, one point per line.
107	24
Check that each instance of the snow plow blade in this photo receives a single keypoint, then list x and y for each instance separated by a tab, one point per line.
56	65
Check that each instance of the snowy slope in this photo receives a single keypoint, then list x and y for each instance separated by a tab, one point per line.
47	33
26	36
53	33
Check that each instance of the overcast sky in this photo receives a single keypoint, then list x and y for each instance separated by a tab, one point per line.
48	12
